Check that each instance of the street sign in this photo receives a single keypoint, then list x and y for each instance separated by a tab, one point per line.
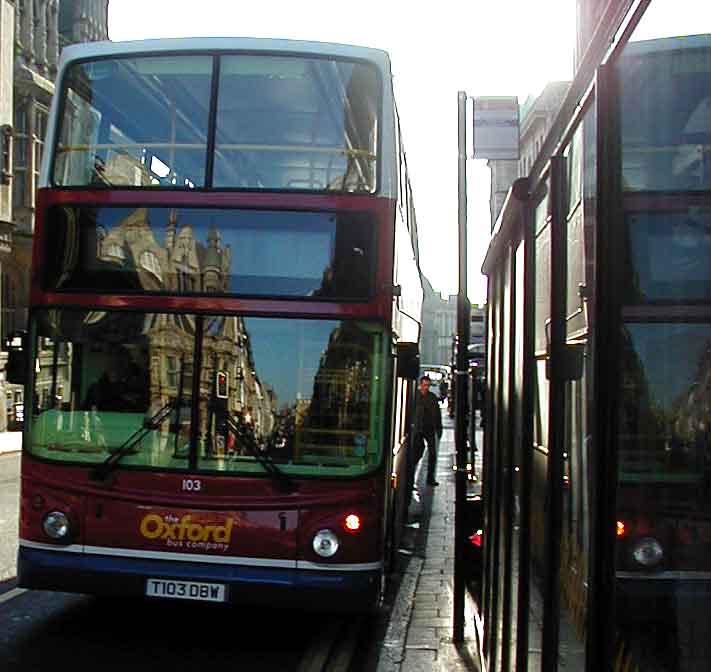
496	132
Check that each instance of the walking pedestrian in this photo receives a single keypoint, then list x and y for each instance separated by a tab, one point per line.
428	427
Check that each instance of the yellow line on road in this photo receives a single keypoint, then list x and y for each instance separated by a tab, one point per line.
10	594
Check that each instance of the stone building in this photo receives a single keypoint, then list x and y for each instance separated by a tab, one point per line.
503	175
32	34
537	116
439	324
7	37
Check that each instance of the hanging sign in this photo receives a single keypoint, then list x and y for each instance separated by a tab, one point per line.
496	128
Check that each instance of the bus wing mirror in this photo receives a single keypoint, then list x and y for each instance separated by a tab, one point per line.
17	358
572	362
408	360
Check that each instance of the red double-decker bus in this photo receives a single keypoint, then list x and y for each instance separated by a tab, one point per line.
223	325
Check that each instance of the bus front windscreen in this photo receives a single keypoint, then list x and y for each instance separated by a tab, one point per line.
304	393
664	434
664	114
278	122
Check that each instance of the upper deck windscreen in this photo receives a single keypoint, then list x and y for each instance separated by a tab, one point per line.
666	115
279	123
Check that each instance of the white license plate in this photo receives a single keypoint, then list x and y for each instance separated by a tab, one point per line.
186	590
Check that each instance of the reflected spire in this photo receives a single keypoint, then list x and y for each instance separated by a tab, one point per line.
171	228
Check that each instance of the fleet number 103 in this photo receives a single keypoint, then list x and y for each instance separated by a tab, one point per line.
191	485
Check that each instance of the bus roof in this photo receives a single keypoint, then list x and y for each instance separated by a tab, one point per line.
666	44
252	44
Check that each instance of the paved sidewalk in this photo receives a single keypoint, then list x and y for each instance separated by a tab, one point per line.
419	637
10	442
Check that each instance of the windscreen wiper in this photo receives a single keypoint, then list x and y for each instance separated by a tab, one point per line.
284	481
101	471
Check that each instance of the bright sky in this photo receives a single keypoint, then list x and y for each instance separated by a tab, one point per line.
507	47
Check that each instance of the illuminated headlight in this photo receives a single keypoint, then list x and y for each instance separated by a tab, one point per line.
325	543
648	552
56	526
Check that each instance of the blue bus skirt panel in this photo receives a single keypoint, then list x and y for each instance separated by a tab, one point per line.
341	591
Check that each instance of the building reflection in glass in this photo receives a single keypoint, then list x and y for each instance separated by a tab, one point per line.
211	251
666	409
305	392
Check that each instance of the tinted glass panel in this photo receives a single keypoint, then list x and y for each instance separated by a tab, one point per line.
517	447
666	404
101	375
190	251
663	502
669	256
543	276
579	422
575	531
135	122
666	114
576	266
296	123
306	394
539	460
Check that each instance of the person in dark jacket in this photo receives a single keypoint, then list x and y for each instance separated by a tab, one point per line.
123	387
428	423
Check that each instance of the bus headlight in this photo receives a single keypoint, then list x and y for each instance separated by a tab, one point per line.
325	543
648	552
56	526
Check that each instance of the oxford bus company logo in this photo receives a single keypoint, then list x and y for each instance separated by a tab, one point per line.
184	533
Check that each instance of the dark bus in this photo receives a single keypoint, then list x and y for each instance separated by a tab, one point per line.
597	464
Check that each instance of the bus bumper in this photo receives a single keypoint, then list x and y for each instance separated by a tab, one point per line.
657	601
314	590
